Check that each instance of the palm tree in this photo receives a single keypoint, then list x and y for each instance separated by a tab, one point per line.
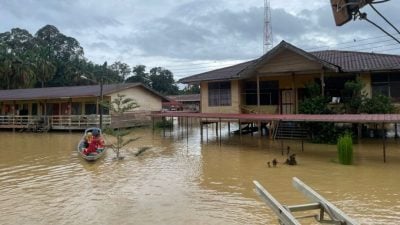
6	59
23	75
44	68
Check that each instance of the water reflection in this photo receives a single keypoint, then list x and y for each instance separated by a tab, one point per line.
183	180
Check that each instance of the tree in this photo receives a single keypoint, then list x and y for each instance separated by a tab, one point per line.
378	104
24	75
353	96
64	52
61	48
316	104
139	75
119	106
6	59
122	69
16	59
162	80
357	102
44	68
191	89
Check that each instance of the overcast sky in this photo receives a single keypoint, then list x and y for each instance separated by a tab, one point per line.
192	36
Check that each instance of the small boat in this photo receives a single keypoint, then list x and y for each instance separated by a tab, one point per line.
81	145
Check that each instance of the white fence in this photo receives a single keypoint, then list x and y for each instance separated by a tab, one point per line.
71	122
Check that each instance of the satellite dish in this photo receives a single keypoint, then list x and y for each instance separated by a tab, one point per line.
343	9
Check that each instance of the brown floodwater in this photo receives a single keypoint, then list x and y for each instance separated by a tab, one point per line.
183	180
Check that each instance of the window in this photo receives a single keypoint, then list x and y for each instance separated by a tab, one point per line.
269	92
334	86
90	108
34	109
386	84
76	108
219	94
52	109
65	108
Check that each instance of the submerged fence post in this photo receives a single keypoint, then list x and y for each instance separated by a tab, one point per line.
220	135
384	143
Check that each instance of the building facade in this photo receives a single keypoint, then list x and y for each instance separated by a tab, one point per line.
275	83
76	107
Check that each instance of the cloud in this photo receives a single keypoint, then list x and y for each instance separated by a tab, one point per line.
69	16
195	34
176	33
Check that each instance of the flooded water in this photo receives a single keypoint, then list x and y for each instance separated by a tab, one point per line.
183	180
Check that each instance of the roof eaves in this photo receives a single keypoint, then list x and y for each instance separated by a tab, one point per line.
280	47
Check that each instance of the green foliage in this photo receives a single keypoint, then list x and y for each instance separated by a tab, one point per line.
378	104
51	59
191	89
164	124
357	102
345	149
119	106
323	132
352	96
162	80
121	69
139	75
312	90
314	103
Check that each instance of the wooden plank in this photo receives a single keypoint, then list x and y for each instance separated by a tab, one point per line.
285	217
304	207
332	210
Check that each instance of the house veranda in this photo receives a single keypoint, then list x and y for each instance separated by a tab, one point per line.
74	108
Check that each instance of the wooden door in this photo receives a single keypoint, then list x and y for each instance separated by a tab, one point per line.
287	101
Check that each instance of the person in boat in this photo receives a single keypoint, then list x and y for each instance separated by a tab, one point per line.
96	143
88	139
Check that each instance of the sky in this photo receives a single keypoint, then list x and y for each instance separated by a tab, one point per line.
194	36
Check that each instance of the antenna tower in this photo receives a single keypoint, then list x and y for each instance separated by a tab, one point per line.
268	40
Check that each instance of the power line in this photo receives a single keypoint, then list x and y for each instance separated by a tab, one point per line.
300	62
355	47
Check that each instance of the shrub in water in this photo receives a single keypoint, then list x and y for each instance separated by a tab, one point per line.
345	149
164	124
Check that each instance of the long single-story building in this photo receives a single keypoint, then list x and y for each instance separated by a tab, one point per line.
76	107
275	82
189	102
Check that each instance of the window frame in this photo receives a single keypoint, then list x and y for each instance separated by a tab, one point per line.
219	94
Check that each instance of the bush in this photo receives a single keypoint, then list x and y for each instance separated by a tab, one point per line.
345	149
164	124
378	104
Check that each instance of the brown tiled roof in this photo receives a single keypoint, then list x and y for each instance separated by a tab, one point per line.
185	98
338	61
67	92
359	61
225	73
278	49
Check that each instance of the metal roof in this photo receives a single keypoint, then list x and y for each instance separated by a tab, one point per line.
69	92
334	60
185	98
